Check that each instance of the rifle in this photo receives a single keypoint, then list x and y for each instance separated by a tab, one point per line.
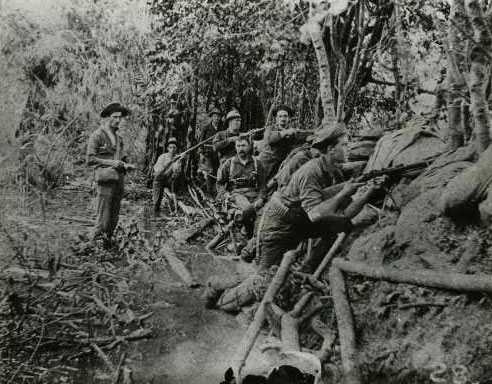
399	170
391	172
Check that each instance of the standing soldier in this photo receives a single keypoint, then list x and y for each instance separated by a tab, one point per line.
105	154
208	159
224	141
165	173
241	181
279	140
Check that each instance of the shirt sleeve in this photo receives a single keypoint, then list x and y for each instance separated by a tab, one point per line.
161	163
220	142
223	177
262	181
92	148
310	193
274	137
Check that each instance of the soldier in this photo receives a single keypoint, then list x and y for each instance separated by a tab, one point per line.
165	174
279	141
208	158
241	181
105	154
300	211
224	141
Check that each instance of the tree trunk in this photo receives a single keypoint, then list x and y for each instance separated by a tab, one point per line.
324	72
456	68
479	73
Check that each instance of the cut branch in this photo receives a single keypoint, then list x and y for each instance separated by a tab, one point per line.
345	327
443	280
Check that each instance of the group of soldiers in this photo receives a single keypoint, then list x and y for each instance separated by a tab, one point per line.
282	194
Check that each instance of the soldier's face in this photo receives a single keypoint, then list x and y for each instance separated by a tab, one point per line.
235	125
215	119
282	118
340	150
115	120
242	147
172	148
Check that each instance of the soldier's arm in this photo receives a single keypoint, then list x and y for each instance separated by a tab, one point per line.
262	182
220	143
322	211
160	164
222	179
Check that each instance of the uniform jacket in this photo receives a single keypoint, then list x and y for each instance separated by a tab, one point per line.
248	178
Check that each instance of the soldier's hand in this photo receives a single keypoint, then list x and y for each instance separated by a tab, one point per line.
118	165
351	187
258	203
288	132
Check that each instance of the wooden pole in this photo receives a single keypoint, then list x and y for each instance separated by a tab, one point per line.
345	323
254	328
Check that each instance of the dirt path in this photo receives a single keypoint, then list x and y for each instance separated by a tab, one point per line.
190	344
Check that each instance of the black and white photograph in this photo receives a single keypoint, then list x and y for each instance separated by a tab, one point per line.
245	191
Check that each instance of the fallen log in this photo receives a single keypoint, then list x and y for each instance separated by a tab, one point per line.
254	328
345	323
329	256
187	235
167	251
443	280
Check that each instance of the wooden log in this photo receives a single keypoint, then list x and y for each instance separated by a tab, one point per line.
254	328
186	235
167	251
328	338
345	323
443	280
329	256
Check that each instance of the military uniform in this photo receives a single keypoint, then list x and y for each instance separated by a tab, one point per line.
208	159
110	182
164	177
285	220
295	159
224	146
277	148
245	182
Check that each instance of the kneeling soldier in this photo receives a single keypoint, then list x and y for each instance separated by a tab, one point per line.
241	181
301	210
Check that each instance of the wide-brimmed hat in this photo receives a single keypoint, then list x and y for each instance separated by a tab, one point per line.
283	107
326	135
114	107
234	114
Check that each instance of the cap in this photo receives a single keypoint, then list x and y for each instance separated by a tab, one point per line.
172	140
114	107
234	114
214	111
